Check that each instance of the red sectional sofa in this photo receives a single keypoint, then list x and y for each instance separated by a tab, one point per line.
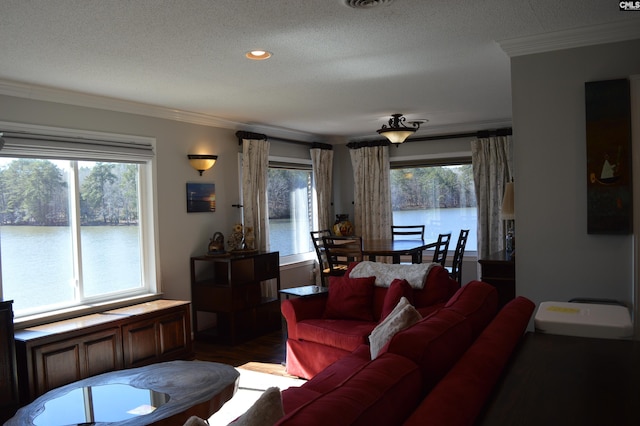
315	341
439	371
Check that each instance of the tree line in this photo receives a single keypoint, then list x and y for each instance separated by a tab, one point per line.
36	192
412	188
419	188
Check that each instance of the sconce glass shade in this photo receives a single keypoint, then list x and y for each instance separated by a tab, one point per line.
202	162
397	131
508	210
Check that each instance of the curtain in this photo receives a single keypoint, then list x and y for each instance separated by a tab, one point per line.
492	169
372	191
255	166
322	163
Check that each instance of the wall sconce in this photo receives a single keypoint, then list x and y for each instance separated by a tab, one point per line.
202	162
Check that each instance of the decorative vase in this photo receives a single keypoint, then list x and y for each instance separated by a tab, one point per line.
249	238
342	227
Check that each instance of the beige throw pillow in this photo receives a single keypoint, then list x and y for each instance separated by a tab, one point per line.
401	317
266	411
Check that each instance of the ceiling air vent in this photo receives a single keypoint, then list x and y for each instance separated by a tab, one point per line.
366	4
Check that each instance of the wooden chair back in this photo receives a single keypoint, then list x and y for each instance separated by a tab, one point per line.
340	252
455	271
318	245
408	232
442	247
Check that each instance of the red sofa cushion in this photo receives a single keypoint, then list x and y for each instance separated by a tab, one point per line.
397	290
385	392
477	301
459	397
438	288
340	370
350	298
343	334
434	343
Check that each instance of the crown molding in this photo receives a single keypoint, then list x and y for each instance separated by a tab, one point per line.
576	37
49	94
43	93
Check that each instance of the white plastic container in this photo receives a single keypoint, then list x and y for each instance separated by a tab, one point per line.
584	320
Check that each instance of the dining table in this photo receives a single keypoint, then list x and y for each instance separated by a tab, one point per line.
374	248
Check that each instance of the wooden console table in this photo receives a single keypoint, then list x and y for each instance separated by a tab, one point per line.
564	380
499	270
54	354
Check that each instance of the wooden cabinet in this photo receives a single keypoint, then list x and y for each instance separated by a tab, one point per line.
499	270
232	288
8	368
62	352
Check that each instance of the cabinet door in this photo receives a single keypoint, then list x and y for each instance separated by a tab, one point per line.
157	339
69	360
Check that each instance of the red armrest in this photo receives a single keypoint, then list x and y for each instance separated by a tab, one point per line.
300	309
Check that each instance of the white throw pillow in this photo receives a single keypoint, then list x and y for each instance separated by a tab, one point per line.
266	411
401	317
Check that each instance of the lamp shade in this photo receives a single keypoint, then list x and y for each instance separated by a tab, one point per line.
397	131
508	209
202	162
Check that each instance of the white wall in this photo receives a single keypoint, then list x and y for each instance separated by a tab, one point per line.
556	258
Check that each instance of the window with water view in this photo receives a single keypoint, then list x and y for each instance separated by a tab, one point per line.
441	197
290	210
70	232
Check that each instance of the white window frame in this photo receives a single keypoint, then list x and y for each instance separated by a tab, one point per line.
433	160
310	255
151	287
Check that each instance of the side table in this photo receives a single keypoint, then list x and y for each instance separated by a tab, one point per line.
499	270
304	291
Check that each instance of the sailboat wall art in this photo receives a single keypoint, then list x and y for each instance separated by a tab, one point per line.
608	135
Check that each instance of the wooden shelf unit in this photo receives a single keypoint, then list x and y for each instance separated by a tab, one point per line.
54	354
231	288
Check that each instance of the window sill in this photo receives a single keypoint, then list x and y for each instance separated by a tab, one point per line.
76	311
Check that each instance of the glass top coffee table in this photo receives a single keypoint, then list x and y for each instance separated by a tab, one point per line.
158	394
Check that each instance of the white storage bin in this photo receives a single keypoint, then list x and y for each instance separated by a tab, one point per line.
584	320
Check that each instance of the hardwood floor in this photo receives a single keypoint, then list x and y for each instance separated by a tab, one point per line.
267	349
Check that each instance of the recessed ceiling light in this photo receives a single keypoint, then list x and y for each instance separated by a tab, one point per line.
258	55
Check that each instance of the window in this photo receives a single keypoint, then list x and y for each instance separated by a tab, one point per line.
440	196
289	194
75	222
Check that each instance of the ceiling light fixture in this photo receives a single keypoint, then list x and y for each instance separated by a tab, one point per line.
258	55
397	132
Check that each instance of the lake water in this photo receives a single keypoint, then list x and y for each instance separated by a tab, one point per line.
36	259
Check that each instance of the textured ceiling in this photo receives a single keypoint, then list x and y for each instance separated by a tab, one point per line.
335	70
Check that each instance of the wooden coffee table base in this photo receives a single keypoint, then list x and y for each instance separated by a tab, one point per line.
195	388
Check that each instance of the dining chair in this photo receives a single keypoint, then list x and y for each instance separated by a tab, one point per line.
442	247
455	270
340	252
408	232
318	244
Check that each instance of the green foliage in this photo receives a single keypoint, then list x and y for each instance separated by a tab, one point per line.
281	184
35	192
432	187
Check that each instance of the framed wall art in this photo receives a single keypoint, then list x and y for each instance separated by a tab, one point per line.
608	134
201	197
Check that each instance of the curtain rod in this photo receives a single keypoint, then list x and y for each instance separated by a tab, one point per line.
507	131
259	136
